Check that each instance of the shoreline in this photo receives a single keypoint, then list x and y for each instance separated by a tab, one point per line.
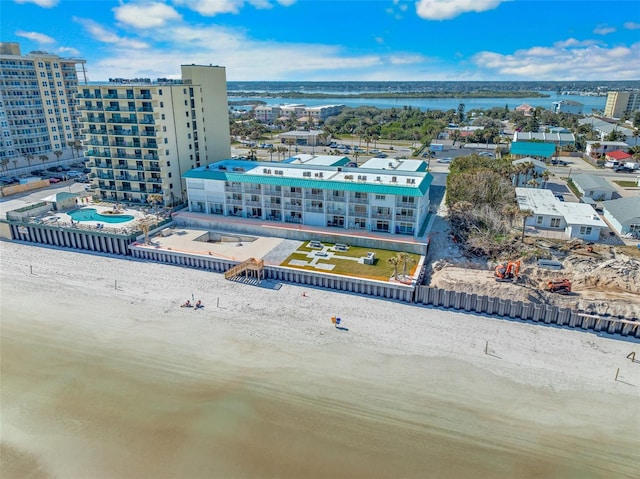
264	386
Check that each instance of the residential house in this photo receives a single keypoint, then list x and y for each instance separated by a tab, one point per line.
624	215
557	138
537	150
594	187
605	128
535	173
616	158
575	220
526	109
604	147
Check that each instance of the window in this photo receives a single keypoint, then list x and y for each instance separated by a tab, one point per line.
164	128
186	113
166	140
555	222
161	104
380	197
163	116
539	220
171	186
585	230
169	175
160	93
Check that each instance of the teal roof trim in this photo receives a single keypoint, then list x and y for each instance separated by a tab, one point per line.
531	148
420	190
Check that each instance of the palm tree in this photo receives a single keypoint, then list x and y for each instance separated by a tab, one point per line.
28	157
58	154
15	164
545	176
393	260
43	158
3	164
154	199
525	214
405	259
594	150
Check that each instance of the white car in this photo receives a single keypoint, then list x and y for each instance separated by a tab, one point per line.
445	160
485	153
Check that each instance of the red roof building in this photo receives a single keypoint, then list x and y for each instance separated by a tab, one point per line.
618	155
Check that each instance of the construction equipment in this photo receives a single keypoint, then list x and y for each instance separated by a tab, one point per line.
508	271
560	286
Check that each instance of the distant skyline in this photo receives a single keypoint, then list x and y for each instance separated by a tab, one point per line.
344	40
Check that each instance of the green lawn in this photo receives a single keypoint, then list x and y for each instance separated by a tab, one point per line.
626	184
381	269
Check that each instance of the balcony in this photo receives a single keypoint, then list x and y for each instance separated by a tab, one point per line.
406	204
314	209
152	157
105	176
252	190
272	204
121	132
94	142
337	199
149	133
125	144
234	189
292	207
253	202
126	155
121	120
381	216
143	96
150	145
358	213
154	180
331	210
291	194
89	131
231	201
407	218
89	108
314	196
100	154
360	201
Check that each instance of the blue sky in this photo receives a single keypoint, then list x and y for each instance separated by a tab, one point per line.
326	40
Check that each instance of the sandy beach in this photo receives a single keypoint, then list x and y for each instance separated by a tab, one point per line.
104	375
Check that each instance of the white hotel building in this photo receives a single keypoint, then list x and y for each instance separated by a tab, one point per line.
383	196
141	137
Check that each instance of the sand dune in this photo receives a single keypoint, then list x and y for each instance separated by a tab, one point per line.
107	382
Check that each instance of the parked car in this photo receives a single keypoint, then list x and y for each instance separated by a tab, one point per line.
445	160
486	153
38	172
74	174
54	180
86	170
64	168
381	155
559	162
54	169
624	169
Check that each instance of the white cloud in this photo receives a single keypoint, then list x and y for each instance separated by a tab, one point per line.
36	37
603	30
572	42
588	62
632	26
146	14
40	3
104	35
210	8
74	52
447	9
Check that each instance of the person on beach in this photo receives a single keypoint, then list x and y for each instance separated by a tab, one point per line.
199	305
186	304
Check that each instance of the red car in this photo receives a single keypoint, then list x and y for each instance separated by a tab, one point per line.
54	180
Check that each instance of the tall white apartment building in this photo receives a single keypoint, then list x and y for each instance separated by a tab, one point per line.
141	138
621	102
270	113
37	103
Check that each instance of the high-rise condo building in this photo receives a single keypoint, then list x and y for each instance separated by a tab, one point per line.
142	136
37	104
621	102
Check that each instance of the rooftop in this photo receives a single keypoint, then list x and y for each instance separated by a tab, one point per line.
580	214
536	163
367	180
530	148
625	210
541	202
591	182
618	155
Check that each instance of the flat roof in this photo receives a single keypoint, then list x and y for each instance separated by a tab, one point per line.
366	180
530	148
580	214
588	182
541	202
395	164
318	160
625	210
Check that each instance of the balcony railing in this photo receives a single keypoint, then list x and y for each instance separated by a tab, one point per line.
292	207
231	201
120	132
314	196
291	194
406	204
360	201
253	202
407	218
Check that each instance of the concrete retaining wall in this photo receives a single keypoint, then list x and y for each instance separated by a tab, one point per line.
535	312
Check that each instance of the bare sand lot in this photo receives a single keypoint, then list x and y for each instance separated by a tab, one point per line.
104	375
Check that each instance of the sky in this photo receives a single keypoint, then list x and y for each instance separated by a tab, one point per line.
345	40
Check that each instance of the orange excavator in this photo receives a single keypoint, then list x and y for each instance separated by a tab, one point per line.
508	271
560	286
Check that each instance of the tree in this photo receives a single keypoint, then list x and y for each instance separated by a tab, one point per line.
594	150
43	158
406	259
545	176
58	154
525	214
461	112
28	157
3	164
15	164
393	260
154	199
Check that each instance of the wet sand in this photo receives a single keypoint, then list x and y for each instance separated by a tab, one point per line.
123	383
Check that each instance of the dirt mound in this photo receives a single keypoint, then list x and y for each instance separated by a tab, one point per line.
601	284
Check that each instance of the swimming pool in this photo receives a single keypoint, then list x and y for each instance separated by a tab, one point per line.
90	214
